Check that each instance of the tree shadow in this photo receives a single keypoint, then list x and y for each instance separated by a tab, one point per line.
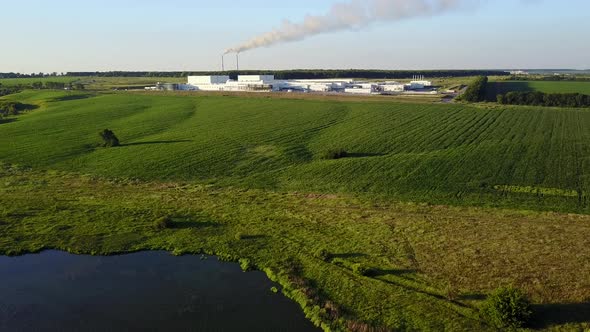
254	237
348	255
393	272
71	97
364	155
2	121
189	223
546	315
157	142
472	297
499	88
192	224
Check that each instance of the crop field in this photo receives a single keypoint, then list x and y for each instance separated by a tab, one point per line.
502	87
442	154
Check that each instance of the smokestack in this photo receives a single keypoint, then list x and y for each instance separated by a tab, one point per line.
223	62
349	15
238	61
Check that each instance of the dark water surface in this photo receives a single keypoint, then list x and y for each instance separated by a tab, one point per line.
146	291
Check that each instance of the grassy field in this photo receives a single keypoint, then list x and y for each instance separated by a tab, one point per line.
443	154
502	87
29	81
242	177
97	83
432	264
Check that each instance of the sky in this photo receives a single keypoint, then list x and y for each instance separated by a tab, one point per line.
182	35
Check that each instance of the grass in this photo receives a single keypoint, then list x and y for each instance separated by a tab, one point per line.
244	178
414	251
97	83
29	81
442	154
502	87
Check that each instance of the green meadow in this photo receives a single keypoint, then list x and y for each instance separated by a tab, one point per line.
443	154
439	204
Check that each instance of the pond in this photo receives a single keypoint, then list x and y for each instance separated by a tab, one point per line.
145	291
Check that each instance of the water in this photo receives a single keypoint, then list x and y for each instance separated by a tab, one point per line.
146	291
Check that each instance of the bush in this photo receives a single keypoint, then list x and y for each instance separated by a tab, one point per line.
109	139
239	236
507	307
335	154
246	264
162	223
362	270
323	254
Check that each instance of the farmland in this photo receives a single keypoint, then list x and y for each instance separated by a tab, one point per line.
442	202
443	154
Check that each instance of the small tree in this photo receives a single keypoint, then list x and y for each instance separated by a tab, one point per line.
109	138
507	307
335	154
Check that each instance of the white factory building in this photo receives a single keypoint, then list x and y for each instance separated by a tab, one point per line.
267	83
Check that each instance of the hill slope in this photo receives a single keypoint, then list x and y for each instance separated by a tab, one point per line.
457	154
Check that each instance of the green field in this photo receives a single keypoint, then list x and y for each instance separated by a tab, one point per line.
97	83
502	87
443	202
445	154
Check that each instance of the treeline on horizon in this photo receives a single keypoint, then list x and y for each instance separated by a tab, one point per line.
281	74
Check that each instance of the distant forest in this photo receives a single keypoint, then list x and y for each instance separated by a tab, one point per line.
282	74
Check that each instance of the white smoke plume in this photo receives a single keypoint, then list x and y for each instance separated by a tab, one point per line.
353	14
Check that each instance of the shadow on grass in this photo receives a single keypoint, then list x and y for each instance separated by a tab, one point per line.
71	97
253	237
499	88
364	155
348	255
182	222
157	142
473	297
2	121
191	224
546	315
393	272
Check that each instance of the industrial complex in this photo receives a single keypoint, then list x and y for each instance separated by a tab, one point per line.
268	83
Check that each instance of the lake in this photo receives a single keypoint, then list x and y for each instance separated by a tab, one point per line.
145	291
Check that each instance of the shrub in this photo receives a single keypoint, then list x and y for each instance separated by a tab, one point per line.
507	307
246	264
162	223
239	236
362	270
323	254
109	139
274	289
335	154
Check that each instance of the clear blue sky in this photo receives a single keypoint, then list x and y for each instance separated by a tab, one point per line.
68	35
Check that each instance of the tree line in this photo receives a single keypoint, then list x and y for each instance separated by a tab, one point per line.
476	91
301	73
537	98
8	90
